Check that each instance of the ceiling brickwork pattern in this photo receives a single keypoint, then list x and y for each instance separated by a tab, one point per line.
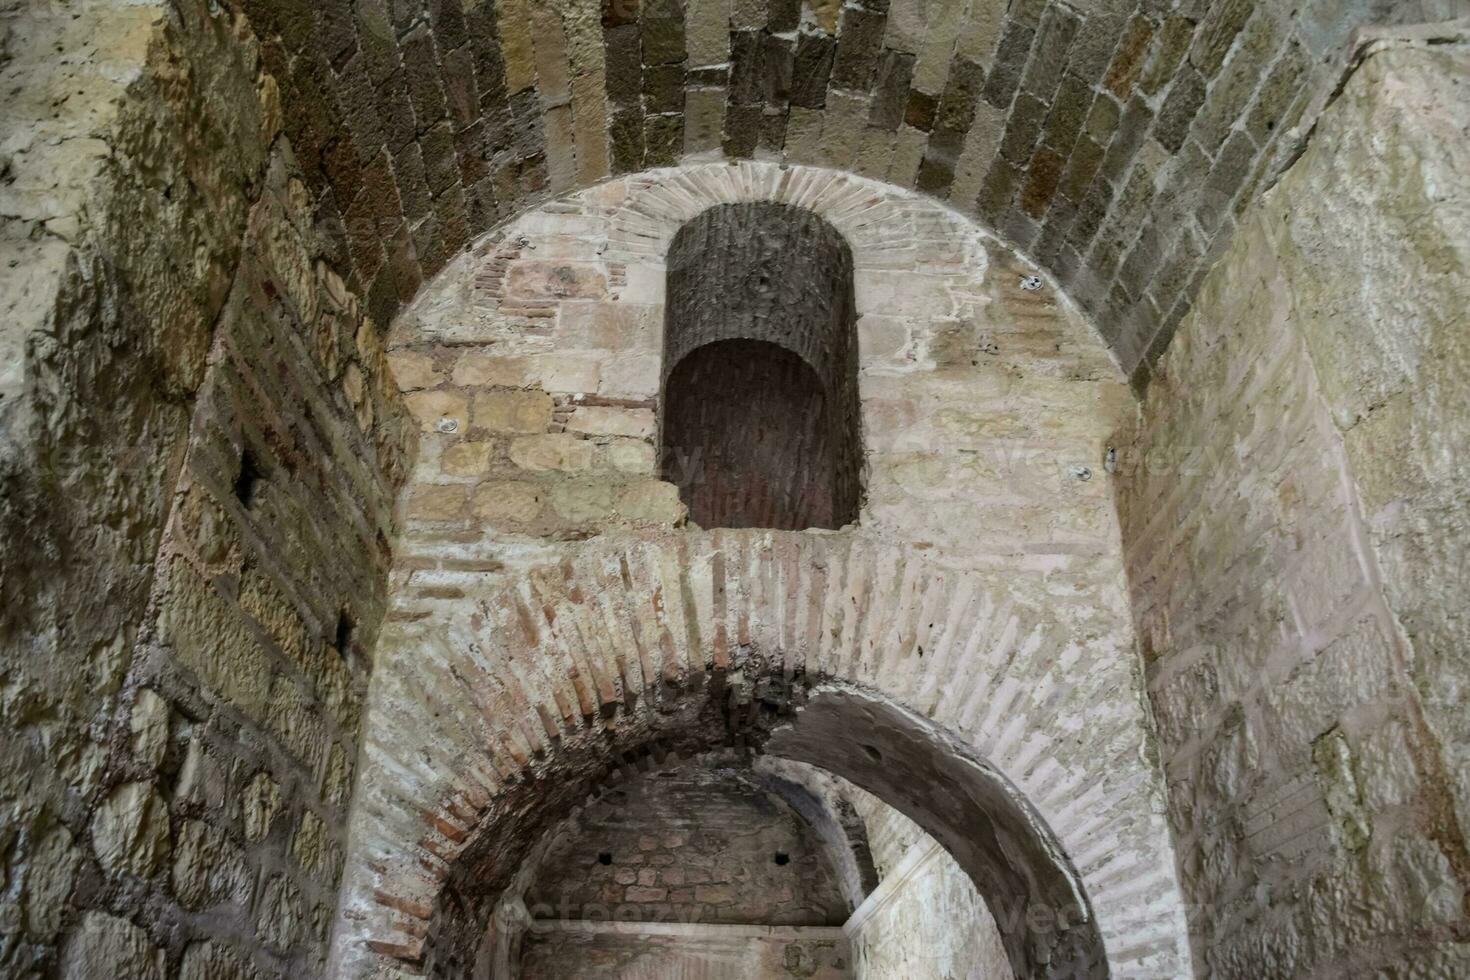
1114	141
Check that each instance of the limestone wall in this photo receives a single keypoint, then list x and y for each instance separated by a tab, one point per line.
925	921
179	731
1293	513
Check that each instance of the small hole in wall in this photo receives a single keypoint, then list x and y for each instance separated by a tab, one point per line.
345	634
604	858
248	480
782	858
873	754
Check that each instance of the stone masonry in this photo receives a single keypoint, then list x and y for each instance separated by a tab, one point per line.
1292	457
1109	536
643	632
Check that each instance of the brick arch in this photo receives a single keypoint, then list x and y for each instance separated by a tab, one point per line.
1112	141
552	677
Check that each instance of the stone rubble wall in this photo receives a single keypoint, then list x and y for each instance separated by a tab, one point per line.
179	735
1294	516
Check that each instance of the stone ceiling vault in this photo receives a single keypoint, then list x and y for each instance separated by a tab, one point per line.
1113	141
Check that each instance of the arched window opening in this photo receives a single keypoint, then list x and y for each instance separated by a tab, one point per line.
760	402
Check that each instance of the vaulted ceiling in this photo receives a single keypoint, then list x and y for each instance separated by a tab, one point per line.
1113	140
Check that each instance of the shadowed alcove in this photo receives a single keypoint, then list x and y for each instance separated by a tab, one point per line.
760	407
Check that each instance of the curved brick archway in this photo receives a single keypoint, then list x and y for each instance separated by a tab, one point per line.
553	621
1115	141
689	641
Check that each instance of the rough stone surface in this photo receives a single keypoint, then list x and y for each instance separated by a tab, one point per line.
209	214
1294	525
199	458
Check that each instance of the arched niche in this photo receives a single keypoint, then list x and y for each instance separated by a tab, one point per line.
759	389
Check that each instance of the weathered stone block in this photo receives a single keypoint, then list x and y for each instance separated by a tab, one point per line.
507	503
513	411
130	830
562	452
601	421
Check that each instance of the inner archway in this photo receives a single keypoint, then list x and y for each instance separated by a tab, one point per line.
996	836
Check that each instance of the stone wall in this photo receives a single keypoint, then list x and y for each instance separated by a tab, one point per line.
178	731
1293	515
926	919
537	652
689	844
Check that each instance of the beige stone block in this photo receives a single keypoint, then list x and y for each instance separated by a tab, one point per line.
106	946
598	420
208	867
804	135
566	374
49	880
652	502
632	376
313	849
130	832
262	802
466	459
881	337
634	457
412	370
509	502
434	409
704	119
707	32
149	725
437	502
617	326
647	284
582	502
553	451
476	369
513	411
517	45
551	372
280	917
